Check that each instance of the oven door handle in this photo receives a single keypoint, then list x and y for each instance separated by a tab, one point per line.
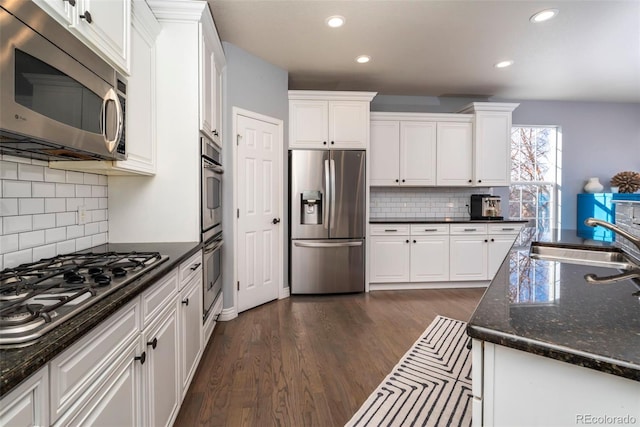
213	167
209	249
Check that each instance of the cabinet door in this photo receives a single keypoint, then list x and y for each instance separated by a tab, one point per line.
109	30
348	124
499	246
492	149
308	124
207	82
162	372
217	104
430	259
384	153
417	153
455	160
190	330
467	257
389	259
27	404
60	10
118	401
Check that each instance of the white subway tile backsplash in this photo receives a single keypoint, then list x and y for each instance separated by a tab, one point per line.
16	159
38	211
9	243
43	221
43	189
65	218
65	190
46	251
30	206
39	162
53	235
30	172
14	259
16	188
54	175
8	170
16	224
31	239
8	207
54	205
75	177
83	191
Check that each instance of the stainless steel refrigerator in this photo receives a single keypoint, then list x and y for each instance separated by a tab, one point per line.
327	221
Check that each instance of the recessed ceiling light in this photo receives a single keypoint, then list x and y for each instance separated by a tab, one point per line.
543	15
363	59
335	21
504	64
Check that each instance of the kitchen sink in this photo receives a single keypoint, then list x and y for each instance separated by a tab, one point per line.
606	257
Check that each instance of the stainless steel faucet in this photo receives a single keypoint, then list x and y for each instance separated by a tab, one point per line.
592	222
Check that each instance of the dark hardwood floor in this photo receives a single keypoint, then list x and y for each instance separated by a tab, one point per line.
311	360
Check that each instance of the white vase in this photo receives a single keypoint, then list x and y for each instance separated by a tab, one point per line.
593	185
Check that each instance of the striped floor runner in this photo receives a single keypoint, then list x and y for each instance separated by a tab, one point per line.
430	386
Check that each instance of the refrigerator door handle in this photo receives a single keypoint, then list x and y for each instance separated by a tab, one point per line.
333	192
325	220
326	245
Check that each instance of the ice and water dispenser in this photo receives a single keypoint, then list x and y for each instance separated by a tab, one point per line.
311	207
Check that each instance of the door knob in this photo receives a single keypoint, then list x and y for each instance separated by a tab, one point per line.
275	220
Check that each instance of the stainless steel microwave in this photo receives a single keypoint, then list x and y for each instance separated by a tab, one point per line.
59	100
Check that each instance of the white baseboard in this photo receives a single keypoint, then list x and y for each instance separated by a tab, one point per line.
227	314
427	285
285	292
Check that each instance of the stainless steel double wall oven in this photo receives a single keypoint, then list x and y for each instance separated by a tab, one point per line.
211	205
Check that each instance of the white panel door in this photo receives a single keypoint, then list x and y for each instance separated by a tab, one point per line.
467	258
499	246
493	149
417	153
389	259
348	124
308	124
455	160
430	259
259	202
384	153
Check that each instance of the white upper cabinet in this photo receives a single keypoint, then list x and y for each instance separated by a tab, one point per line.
455	156
417	153
385	153
103	25
329	120
491	142
210	79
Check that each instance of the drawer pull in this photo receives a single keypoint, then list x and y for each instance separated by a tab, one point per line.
141	358
390	230
153	343
430	229
508	229
195	266
469	229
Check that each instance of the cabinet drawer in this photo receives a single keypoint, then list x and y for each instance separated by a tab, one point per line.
190	268
389	229
468	229
508	228
429	229
80	368
159	296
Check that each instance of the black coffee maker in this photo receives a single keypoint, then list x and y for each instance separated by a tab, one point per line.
485	206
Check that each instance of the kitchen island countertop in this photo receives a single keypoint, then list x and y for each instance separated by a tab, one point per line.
549	309
17	364
440	220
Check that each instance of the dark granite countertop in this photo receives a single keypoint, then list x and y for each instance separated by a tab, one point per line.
548	308
17	364
444	219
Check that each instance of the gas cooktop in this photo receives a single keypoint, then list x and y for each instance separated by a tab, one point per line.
36	297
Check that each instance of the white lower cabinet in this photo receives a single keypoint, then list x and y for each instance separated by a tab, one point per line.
190	330
28	404
430	258
468	257
390	259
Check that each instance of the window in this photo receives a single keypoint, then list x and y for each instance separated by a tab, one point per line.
535	176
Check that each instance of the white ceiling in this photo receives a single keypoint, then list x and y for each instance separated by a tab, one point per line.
589	52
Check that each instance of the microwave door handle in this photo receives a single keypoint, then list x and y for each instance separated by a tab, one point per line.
214	167
212	248
111	143
325	220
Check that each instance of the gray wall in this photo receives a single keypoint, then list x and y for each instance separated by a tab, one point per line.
598	139
255	85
